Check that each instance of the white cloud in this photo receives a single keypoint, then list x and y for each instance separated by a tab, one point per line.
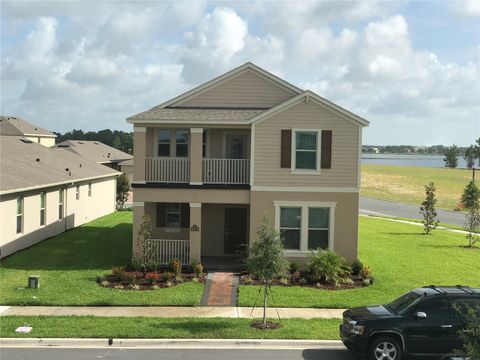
468	7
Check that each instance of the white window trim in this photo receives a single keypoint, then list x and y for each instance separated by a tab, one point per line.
77	192
293	169
22	223
44	193
61	203
305	205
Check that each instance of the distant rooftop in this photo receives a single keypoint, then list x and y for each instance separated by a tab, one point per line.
16	126
94	151
28	165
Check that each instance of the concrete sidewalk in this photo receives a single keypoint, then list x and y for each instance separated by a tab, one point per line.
171	312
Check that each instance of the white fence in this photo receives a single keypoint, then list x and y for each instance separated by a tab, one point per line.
167	169
163	251
226	171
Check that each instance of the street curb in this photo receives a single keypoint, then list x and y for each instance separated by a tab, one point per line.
171	343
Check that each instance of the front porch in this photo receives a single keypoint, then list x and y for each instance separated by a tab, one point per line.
215	234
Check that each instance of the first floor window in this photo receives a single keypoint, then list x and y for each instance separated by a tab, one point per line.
306	150
89	189
318	224
304	226
290	227
173	215
42	208
19	214
77	192
60	204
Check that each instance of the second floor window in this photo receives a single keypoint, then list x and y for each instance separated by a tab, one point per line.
60	204
164	142
306	150
181	143
42	208
19	214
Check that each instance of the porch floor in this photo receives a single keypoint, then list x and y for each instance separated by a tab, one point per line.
223	263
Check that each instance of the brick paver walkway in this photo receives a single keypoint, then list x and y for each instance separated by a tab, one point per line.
221	290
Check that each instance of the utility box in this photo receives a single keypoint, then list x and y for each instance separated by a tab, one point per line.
34	281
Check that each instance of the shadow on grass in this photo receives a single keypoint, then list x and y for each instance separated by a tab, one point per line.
82	248
196	326
403	233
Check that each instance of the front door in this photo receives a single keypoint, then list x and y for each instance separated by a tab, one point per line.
235	230
236	147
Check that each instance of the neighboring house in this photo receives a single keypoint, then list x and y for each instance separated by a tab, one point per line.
45	191
96	151
126	167
15	126
209	164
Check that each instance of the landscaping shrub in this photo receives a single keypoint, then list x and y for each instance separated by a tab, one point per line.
293	267
198	270
176	267
327	267
167	276
129	278
357	267
366	272
119	272
152	277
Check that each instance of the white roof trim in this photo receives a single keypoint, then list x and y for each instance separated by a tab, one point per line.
13	191
220	79
317	99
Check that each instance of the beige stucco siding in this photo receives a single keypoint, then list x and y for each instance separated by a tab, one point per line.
244	90
345	231
345	138
77	212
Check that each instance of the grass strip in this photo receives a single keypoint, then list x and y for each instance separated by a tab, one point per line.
165	328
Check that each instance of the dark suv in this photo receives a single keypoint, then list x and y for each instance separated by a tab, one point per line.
424	321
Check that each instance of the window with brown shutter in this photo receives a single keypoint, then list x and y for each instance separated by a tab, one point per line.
161	214
286	149
326	156
185	215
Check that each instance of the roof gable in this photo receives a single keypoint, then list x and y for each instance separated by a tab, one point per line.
249	68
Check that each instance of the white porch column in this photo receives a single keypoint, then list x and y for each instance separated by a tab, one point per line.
195	231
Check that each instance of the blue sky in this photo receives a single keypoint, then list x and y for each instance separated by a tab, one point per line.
410	67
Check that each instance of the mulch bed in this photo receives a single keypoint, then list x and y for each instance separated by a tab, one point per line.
268	326
141	283
357	283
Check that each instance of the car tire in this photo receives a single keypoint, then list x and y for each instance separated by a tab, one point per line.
384	348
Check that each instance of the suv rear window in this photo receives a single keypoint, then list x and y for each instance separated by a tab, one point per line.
460	306
403	302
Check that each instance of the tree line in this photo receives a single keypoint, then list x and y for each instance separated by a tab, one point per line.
471	154
120	140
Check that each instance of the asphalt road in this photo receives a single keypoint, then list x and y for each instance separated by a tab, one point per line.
171	354
371	206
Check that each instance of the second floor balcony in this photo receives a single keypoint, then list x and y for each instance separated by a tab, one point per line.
214	171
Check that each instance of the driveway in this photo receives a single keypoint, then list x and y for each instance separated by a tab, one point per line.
371	206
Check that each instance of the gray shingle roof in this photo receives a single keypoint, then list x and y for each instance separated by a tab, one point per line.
15	126
94	150
30	165
197	114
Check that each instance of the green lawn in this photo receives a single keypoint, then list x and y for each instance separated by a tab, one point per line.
401	258
406	183
69	263
141	327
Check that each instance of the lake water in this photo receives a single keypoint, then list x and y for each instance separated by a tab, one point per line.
409	160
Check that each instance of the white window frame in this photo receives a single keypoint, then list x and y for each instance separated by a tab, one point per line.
305	205
173	142
20	215
293	169
61	203
89	189
44	208
172	212
77	192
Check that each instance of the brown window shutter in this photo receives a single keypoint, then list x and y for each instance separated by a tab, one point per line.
184	215
286	149
326	160
161	216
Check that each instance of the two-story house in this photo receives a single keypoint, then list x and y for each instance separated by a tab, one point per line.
210	163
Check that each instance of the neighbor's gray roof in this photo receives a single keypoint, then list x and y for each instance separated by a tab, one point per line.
94	150
28	165
197	114
15	126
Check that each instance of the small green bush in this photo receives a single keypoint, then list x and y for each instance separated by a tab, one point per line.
167	276
176	267
198	270
293	267
357	267
327	267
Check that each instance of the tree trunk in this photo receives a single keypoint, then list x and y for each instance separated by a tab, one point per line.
265	295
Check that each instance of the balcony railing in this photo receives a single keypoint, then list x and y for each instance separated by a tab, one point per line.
226	171
167	169
163	251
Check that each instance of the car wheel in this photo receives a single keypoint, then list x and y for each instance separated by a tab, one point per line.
385	348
